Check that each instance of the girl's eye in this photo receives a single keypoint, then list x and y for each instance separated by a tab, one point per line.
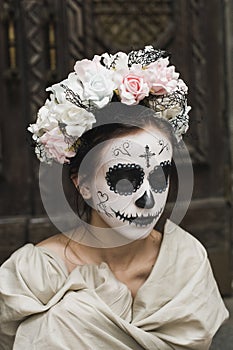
125	179
158	178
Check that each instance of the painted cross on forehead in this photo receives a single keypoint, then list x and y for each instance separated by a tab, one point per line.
147	155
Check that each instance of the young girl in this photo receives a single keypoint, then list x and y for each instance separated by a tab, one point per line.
116	282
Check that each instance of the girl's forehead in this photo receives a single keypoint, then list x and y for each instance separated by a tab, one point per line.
143	148
132	144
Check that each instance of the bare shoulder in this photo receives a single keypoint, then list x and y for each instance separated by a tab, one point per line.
55	243
60	245
56	240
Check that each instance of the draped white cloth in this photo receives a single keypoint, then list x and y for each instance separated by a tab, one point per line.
44	307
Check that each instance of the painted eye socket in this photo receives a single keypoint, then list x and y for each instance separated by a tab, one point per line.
158	178
125	179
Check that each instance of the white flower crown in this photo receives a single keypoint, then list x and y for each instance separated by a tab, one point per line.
142	76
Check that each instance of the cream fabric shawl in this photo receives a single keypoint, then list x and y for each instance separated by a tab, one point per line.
42	307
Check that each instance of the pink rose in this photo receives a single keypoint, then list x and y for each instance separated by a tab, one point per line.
134	87
162	79
56	146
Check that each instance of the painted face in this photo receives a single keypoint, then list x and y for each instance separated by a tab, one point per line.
130	186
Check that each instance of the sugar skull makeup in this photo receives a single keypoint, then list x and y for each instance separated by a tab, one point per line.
130	185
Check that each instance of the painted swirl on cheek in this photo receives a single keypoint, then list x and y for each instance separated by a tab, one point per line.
103	199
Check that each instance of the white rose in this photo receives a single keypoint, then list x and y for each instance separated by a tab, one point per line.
46	119
118	61
97	82
171	112
77	120
99	90
72	82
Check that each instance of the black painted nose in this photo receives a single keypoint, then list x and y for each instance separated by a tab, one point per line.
146	201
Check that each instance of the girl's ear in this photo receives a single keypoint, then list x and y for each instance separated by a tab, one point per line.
82	186
75	180
84	190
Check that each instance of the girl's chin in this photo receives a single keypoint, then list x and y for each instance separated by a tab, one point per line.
138	229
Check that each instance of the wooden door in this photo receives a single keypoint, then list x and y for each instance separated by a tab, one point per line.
40	41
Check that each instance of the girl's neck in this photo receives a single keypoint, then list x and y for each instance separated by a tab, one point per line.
121	257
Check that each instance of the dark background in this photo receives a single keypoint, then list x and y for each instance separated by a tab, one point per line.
39	44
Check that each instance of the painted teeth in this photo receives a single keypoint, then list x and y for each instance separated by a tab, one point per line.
137	220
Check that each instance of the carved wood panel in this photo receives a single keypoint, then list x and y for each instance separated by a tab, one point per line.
34	18
12	120
199	143
1	156
127	25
